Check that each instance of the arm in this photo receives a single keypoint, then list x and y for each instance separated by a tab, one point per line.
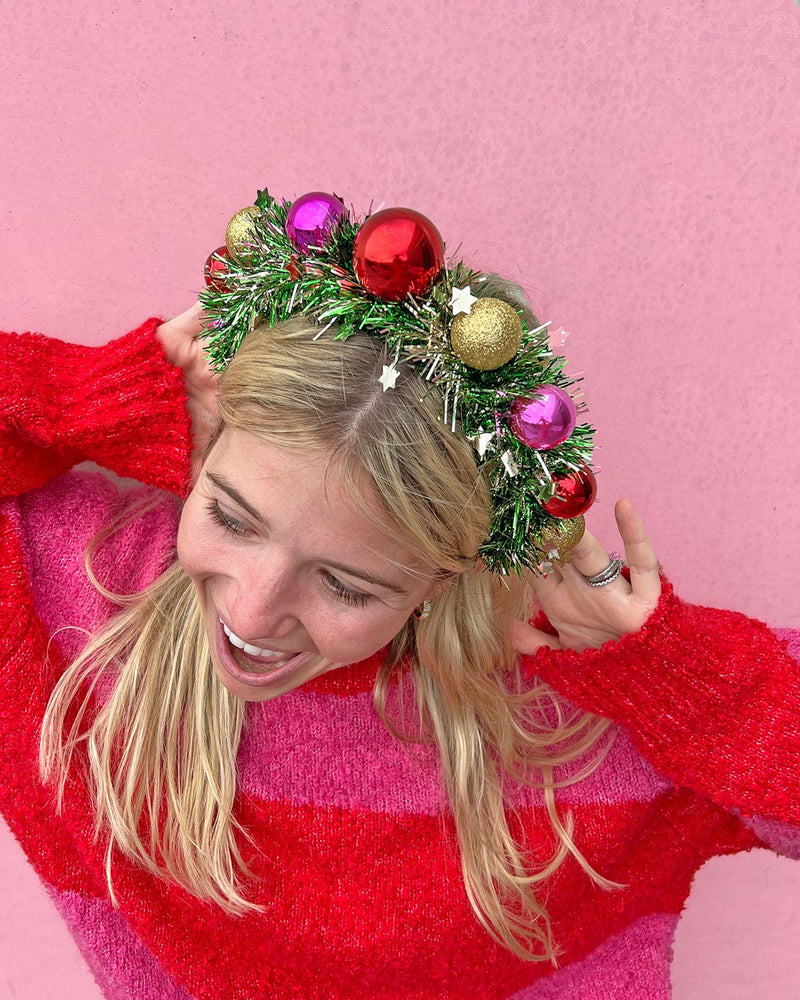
121	405
711	698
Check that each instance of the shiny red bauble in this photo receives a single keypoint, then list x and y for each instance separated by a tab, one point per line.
397	252
214	270
575	493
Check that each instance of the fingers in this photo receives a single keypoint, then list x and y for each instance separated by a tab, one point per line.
526	639
543	585
588	557
639	553
193	316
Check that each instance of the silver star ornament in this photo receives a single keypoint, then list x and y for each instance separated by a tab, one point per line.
389	376
482	441
510	465
462	300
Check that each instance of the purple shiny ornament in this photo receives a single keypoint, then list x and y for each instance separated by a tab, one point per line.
311	218
543	419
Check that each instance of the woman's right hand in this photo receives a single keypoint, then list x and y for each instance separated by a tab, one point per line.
180	338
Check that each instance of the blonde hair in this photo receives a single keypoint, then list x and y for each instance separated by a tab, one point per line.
161	750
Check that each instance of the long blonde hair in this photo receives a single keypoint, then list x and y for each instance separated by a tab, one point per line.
161	750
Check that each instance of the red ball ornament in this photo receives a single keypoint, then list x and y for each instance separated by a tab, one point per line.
574	495
398	252
214	270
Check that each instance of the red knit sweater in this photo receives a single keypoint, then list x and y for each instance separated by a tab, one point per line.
360	875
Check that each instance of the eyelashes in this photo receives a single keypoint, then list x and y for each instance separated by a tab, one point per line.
224	520
236	527
347	595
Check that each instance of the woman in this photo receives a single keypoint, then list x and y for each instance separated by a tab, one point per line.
236	815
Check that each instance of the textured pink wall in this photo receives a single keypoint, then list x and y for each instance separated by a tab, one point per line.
635	166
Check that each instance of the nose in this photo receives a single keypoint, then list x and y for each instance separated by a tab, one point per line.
262	602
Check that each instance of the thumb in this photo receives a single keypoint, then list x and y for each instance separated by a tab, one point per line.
526	639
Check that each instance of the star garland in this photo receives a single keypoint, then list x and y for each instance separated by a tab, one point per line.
503	387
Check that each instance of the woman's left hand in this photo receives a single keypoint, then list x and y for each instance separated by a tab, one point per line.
585	616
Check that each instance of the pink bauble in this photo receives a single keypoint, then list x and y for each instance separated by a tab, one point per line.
543	419
397	252
574	495
311	218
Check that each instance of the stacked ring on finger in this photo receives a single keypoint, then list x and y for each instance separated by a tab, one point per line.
606	576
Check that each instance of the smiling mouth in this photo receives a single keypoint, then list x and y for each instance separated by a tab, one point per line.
254	659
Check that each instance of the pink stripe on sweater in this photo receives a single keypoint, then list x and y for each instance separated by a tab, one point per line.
791	636
122	965
375	771
631	965
780	837
56	524
372	770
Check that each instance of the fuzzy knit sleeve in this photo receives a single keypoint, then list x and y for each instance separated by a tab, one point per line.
712	700
121	405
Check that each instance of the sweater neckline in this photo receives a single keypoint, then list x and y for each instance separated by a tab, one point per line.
354	678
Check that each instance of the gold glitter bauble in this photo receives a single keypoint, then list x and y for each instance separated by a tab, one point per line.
557	541
239	234
488	336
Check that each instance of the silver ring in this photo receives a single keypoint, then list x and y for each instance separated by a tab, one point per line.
608	575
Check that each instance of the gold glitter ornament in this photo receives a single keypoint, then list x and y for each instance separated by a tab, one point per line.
557	541
239	234
488	336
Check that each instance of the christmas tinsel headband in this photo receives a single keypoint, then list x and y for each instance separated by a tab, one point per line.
503	388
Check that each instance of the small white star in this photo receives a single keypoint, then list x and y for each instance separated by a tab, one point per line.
509	464
482	442
389	376
462	300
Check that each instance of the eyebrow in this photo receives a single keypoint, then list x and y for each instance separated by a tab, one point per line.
237	497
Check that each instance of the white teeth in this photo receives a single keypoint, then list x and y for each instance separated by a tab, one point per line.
249	648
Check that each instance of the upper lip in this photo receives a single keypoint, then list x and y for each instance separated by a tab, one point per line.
260	645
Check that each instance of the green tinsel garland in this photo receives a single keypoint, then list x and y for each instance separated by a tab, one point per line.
272	280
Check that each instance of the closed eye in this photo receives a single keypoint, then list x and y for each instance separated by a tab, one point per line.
231	524
345	593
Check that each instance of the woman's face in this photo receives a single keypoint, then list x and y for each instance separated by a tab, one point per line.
292	580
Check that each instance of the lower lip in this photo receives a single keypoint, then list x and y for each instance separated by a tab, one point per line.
250	678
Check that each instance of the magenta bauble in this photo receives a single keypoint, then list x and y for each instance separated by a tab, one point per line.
543	419
311	218
397	252
574	493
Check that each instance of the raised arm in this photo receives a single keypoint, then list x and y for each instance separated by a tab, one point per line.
121	405
711	698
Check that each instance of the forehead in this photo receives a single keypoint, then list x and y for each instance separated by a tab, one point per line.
311	497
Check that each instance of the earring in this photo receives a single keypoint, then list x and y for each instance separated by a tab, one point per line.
423	610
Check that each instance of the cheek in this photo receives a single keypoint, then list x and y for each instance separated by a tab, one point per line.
186	543
359	637
199	549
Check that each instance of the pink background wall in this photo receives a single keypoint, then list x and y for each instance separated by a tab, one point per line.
635	166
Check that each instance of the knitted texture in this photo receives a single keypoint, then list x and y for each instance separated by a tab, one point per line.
352	839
